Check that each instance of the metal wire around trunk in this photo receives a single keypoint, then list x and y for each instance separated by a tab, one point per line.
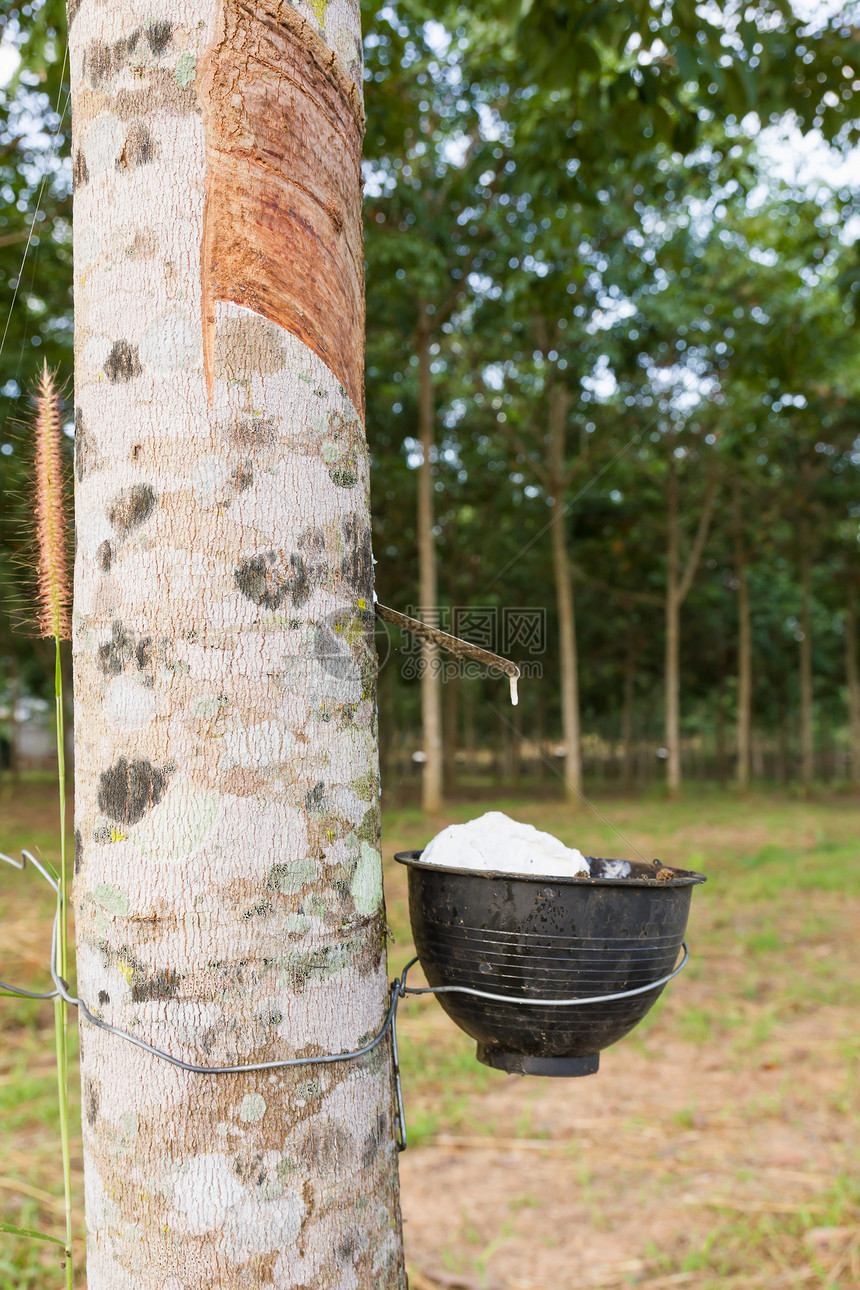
398	990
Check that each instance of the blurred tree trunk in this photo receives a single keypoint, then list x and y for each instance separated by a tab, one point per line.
678	584
228	878
469	725
722	759
807	717
451	694
744	718
853	684
570	723
782	747
631	658
539	752
431	681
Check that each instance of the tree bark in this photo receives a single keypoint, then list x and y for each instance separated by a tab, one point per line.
678	585
571	735
744	716
807	727
853	684
228	888
431	682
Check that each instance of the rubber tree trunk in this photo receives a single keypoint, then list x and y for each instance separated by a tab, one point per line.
431	681
228	889
451	734
807	726
569	667
672	732
633	647
744	714
853	685
678	584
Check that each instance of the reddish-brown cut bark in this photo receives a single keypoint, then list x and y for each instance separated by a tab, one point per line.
282	221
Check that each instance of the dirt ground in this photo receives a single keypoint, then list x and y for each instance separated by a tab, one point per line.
716	1147
641	1167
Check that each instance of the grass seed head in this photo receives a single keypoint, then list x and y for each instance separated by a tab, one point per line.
51	531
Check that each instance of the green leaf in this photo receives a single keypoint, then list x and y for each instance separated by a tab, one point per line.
28	1232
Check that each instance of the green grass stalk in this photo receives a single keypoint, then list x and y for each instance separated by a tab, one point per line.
61	1009
54	622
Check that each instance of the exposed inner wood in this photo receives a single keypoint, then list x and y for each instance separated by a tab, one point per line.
282	222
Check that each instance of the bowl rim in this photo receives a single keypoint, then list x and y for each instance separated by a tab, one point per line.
683	877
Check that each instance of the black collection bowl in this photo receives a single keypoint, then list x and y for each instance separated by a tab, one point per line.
547	938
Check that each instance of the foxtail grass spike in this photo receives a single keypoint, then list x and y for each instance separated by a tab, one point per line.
54	617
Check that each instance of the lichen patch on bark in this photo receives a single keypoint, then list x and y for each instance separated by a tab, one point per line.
282	223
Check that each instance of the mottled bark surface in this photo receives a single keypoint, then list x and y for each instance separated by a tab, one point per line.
228	888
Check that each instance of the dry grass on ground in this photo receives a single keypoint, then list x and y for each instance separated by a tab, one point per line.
717	1147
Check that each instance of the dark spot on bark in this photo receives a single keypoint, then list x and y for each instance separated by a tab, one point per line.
370	828
158	36
257	579
104	556
242	477
102	60
357	564
139	148
262	910
128	790
131	507
299	590
161	985
72	7
266	580
158	92
104	997
79	851
252	433
312	540
86	453
344	475
346	1248
91	1102
123	362
80	174
327	1147
250	1168
115	653
142	653
315	799
374	1140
